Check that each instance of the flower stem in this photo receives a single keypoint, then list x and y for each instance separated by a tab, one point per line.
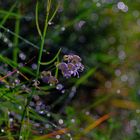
43	37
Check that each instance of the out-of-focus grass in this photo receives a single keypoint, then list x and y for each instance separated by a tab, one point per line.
106	103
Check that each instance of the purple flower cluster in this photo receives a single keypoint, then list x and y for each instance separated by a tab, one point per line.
71	66
48	78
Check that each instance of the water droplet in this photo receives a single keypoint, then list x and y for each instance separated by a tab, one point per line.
58	136
59	86
117	72
87	112
48	114
69	135
73	89
73	120
63	28
98	4
19	107
11	120
60	121
118	91
20	137
41	112
50	23
63	91
121	5
122	55
47	125
125	9
10	45
5	40
41	131
32	104
17	81
2	130
34	66
22	56
124	78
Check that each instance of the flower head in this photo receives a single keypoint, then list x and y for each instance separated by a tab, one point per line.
64	69
72	58
48	78
72	66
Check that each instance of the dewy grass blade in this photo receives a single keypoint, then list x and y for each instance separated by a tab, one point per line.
20	37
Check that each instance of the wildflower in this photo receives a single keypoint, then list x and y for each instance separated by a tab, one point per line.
73	69
72	58
71	66
64	69
48	78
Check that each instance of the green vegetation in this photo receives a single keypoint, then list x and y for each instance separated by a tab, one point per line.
69	70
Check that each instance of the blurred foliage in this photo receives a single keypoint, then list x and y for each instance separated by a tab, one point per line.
105	34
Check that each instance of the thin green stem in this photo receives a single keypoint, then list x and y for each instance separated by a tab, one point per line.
7	15
24	113
11	14
39	61
37	23
54	12
51	61
43	37
56	71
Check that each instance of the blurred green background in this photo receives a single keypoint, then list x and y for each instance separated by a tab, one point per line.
104	103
